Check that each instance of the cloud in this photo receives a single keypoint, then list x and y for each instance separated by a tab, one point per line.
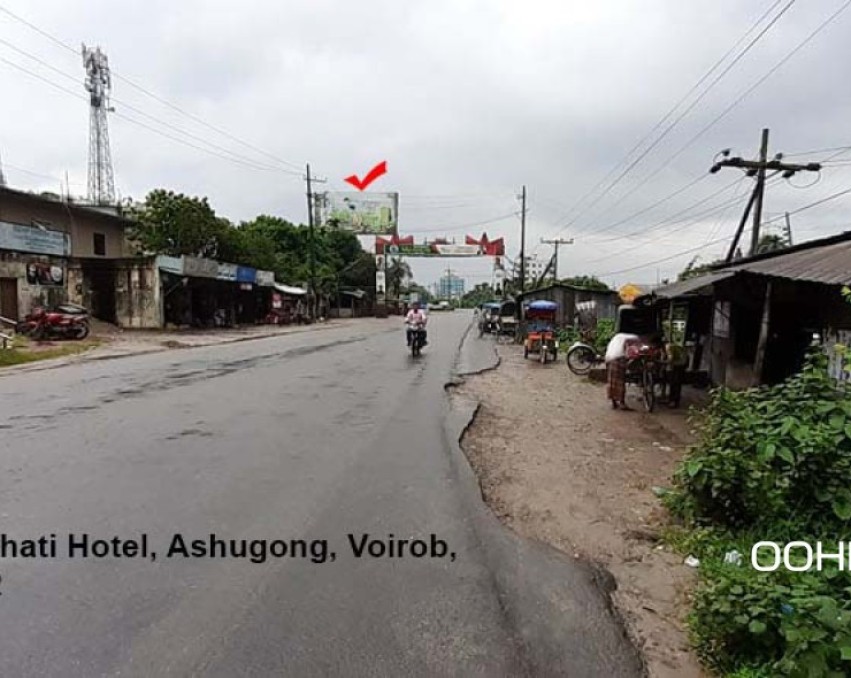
465	98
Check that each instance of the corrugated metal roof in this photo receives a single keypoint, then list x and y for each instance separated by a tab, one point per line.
679	289
829	264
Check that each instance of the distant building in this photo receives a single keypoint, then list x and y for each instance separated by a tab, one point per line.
451	286
535	267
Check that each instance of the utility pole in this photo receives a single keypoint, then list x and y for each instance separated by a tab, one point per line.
555	242
311	247
523	240
760	192
758	169
788	230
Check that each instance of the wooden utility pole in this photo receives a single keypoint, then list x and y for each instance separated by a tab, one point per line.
555	242
758	169
523	240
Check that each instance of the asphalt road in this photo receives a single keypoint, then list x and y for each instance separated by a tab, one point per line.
312	437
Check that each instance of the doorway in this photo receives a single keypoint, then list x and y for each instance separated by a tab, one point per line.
9	298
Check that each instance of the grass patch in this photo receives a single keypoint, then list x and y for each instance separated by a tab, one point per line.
24	351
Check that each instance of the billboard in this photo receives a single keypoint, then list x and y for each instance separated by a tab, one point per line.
405	246
366	213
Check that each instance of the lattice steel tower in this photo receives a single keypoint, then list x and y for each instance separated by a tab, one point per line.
99	85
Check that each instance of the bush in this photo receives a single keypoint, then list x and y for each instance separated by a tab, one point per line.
791	623
769	455
770	464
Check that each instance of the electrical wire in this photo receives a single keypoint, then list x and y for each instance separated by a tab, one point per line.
122	116
676	106
740	98
128	106
152	95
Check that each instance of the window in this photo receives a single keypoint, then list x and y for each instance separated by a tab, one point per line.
100	244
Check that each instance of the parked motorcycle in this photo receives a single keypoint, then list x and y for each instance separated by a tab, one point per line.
63	322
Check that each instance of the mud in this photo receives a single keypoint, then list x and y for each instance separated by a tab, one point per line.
557	464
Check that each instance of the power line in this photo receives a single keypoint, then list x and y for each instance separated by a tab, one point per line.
122	116
152	95
822	201
459	227
665	118
740	98
243	158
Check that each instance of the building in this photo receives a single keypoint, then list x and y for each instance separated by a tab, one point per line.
576	304
54	250
534	268
751	322
450	286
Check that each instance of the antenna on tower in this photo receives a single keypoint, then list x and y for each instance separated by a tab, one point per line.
99	85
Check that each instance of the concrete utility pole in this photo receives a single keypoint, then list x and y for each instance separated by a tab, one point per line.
788	230
523	240
311	248
555	242
758	169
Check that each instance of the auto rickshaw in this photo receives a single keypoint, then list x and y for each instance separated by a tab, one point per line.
540	320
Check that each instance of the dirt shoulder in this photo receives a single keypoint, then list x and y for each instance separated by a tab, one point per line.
557	464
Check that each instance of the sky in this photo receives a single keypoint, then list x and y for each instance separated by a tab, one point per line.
467	101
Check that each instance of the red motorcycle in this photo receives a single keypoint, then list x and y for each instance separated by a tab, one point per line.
63	322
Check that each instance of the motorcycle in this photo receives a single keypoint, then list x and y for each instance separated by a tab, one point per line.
63	322
418	340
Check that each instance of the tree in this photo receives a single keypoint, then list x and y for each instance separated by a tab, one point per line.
588	282
771	242
478	295
175	224
693	269
397	273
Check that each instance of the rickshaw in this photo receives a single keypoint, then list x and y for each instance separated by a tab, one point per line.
540	320
489	317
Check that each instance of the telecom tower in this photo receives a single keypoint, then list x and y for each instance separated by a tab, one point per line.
99	85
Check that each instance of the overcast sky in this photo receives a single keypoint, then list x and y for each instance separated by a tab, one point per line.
466	100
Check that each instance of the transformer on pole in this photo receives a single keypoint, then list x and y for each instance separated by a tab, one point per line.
99	86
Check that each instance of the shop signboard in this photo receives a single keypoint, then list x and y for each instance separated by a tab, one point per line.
227	272
170	264
246	274
45	274
265	278
33	239
200	268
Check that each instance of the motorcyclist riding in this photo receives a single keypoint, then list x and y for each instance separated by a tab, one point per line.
416	320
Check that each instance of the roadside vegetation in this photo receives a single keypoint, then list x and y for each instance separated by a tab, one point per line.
770	464
25	351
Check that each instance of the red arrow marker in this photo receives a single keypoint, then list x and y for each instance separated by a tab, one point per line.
374	173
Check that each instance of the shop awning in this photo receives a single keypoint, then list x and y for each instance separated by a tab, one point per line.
286	289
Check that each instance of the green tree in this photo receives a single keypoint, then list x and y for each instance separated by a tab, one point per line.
175	224
588	282
398	271
693	269
771	242
478	295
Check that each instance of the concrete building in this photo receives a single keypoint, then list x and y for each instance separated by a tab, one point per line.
54	250
450	286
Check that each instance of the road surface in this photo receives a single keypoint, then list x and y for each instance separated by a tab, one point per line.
300	441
